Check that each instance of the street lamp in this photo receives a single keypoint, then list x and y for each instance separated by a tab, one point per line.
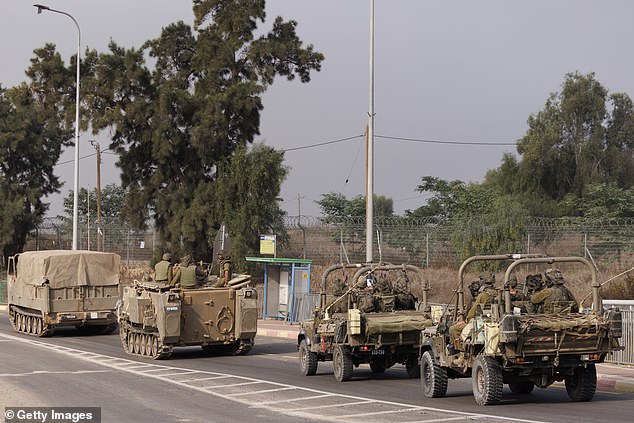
40	8
95	144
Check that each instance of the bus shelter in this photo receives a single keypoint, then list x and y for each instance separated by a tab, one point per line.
286	288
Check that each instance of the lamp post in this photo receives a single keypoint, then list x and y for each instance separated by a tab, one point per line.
40	8
95	144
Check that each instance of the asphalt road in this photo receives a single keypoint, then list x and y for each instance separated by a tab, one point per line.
264	386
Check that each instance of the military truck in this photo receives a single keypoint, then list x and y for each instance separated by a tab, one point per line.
49	289
154	318
505	345
348	332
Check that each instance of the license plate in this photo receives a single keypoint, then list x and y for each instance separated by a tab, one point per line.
94	315
378	352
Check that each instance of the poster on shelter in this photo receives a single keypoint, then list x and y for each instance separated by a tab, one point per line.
267	244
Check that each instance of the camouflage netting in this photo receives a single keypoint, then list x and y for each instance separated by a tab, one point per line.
395	323
557	322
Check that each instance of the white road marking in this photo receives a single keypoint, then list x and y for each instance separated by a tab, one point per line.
154	372
344	404
297	399
233	385
60	372
262	392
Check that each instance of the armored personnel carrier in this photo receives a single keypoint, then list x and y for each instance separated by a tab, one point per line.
49	289
504	344
154	318
373	319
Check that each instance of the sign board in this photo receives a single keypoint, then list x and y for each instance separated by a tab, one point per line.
267	244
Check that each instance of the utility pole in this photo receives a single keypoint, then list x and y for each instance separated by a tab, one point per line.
95	144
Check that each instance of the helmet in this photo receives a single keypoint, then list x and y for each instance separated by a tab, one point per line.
474	287
487	278
554	276
512	282
167	256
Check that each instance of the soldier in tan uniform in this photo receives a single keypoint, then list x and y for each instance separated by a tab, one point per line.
188	274
226	269
163	270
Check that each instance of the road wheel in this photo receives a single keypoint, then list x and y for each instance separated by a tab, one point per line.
524	387
582	384
377	365
130	342
486	381
155	345
307	359
142	343
20	323
342	363
412	367
37	326
29	324
433	377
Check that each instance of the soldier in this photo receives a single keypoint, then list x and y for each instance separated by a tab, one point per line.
364	293
405	300
339	288
163	271
188	274
556	298
226	269
517	294
474	289
485	296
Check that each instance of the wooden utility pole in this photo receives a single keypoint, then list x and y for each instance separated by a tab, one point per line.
95	144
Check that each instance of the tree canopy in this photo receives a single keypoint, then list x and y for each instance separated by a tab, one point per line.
583	136
34	126
183	108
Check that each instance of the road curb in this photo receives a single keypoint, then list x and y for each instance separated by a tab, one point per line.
288	334
3	307
615	383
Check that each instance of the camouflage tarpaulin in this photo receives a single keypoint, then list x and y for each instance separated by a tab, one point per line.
557	322
395	323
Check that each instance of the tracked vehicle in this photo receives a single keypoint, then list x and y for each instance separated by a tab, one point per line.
365	323
57	288
154	318
504	344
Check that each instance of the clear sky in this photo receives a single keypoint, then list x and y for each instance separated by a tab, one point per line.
460	71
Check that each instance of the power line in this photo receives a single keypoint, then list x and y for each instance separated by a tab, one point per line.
323	143
496	144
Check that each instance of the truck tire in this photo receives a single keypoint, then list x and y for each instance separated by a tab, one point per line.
342	364
486	381
433	377
307	359
523	387
412	366
582	384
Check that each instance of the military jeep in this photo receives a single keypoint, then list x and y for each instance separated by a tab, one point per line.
505	345
365	323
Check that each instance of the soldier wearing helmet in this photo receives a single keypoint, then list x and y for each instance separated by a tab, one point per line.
188	274
556	297
486	294
163	270
226	269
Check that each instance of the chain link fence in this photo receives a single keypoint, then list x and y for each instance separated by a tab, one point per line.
422	242
430	243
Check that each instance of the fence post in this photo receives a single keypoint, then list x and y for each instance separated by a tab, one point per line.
426	249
